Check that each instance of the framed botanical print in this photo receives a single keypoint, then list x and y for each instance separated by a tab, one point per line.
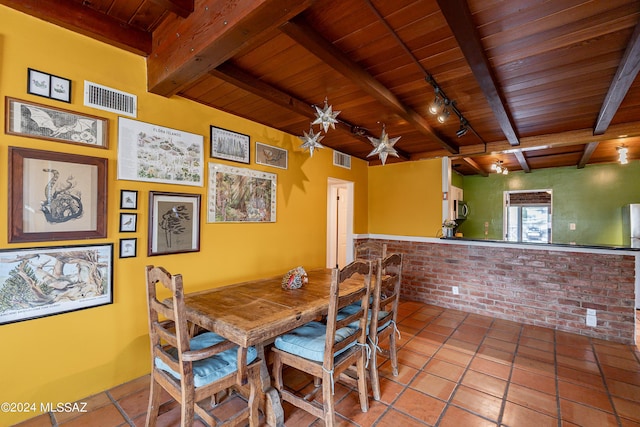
229	145
174	223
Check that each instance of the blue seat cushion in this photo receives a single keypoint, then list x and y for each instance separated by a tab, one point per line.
353	308
308	340
213	368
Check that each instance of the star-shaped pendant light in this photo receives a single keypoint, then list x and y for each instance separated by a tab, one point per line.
383	145
326	117
311	141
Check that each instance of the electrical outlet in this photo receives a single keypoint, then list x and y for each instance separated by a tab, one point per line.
592	321
572	226
455	290
591	312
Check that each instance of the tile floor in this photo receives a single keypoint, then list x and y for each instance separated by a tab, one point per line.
456	369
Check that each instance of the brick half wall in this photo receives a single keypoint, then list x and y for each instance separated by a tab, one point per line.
550	288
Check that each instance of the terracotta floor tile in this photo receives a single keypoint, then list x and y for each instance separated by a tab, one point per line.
405	373
534	381
106	416
489	367
456	417
536	366
433	385
477	402
349	408
43	420
431	337
579	364
614	349
532	399
453	356
474	327
420	406
576	352
510	335
619	362
389	390
460	345
580	377
495	355
597	399
412	323
395	418
627	409
507	346
538	332
136	403
439	329
585	416
624	390
127	388
444	369
93	403
534	353
411	359
506	325
631	377
537	344
478	320
421	346
571	339
519	416
484	383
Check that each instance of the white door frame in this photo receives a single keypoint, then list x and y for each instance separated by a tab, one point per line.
346	227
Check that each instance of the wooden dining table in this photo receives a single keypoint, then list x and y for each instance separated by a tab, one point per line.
253	313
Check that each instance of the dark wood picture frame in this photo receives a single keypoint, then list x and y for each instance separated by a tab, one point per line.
174	223
71	205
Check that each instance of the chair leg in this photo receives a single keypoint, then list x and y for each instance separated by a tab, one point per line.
154	403
393	354
362	381
277	372
373	372
327	398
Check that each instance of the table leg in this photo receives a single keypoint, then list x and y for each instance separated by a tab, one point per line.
272	409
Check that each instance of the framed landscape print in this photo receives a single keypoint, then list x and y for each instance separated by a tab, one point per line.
39	282
56	196
271	156
55	124
153	153
229	145
240	195
174	223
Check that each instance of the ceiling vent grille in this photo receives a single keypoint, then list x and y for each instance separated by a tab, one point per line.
108	99
341	159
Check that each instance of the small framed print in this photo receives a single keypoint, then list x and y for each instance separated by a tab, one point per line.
128	222
60	89
229	145
128	248
271	156
174	223
38	83
128	199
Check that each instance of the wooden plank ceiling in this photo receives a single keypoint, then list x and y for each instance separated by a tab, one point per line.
541	84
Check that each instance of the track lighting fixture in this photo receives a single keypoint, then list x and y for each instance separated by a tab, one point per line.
464	128
444	115
622	155
498	167
442	107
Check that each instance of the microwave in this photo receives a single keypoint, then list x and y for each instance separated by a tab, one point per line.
460	209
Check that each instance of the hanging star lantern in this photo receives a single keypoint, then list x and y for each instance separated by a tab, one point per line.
311	141
383	145
326	117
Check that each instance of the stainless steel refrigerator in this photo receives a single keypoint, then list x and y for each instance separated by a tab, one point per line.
631	237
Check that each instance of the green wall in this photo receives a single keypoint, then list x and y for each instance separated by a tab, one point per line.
591	197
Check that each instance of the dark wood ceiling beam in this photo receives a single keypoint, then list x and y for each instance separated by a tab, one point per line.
473	165
186	49
240	78
522	161
588	150
304	35
182	8
622	81
84	20
459	18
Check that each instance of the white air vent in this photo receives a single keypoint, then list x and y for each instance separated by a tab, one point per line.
108	99
341	159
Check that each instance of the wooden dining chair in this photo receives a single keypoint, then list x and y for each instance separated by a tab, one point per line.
384	314
369	250
325	350
194	369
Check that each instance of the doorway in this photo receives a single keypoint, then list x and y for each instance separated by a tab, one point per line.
339	223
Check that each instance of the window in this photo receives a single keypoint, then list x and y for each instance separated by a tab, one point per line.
528	216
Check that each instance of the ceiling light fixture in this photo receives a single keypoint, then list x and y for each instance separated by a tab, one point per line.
442	107
464	128
498	167
444	115
622	155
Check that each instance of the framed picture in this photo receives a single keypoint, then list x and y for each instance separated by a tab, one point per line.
55	124
128	199
38	83
128	222
271	156
56	196
154	153
240	195
128	248
60	89
174	223
229	145
39	282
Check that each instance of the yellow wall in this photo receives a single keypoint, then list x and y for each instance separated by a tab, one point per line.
69	356
406	198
